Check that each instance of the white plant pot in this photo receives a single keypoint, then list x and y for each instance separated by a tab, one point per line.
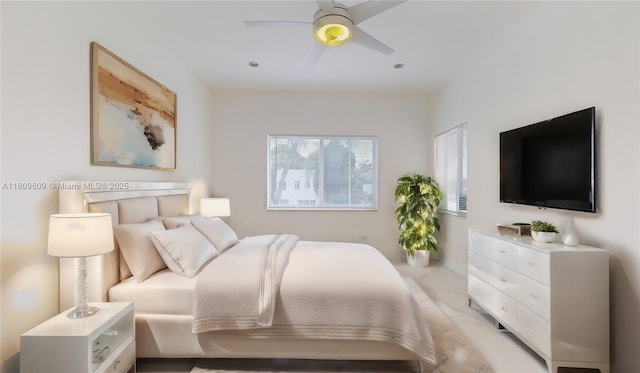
420	259
544	236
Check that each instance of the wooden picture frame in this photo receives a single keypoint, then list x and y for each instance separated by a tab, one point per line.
133	117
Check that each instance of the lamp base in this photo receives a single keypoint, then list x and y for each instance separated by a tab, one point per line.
80	313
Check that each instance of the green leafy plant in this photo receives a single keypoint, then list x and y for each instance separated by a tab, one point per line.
543	226
417	198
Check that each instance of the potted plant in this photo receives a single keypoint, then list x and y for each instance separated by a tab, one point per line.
543	231
417	197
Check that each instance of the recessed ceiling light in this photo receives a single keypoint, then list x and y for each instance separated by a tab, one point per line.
398	66
253	64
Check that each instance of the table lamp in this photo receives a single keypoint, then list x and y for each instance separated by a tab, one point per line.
210	207
79	236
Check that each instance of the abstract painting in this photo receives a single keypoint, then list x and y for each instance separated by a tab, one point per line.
133	117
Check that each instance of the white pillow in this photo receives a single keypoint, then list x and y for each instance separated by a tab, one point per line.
218	232
138	250
172	222
184	249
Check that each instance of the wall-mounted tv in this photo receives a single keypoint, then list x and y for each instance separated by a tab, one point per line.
551	163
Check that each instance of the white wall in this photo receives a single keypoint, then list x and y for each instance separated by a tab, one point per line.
564	57
239	151
45	134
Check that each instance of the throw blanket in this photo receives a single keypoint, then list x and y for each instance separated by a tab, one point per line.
239	291
276	286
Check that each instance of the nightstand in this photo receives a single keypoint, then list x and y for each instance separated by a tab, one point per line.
103	342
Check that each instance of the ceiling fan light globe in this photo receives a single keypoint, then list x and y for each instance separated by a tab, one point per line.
333	34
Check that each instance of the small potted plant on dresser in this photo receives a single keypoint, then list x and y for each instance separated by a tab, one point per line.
417	197
543	231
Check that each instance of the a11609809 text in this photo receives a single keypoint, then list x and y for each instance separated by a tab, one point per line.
87	185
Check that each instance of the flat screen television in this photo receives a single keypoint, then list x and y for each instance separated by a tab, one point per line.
551	163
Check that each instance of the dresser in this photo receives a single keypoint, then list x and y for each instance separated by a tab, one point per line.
554	298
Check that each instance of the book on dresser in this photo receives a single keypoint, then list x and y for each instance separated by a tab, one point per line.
554	298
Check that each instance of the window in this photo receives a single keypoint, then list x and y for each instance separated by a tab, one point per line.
337	172
451	168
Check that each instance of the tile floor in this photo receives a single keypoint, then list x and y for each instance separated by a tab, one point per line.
503	351
448	290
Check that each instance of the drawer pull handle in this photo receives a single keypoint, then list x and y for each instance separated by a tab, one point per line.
100	355
533	296
531	264
503	280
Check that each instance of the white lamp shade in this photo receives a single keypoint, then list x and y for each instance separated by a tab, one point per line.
80	235
210	207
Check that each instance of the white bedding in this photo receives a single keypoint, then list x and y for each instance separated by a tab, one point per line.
328	290
164	293
320	291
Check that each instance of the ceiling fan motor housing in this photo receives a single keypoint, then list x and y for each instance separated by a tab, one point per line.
333	28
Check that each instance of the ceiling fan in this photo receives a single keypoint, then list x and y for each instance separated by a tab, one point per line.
335	24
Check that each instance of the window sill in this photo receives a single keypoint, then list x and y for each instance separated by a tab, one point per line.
462	214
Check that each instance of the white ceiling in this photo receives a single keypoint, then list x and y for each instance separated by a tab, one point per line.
431	38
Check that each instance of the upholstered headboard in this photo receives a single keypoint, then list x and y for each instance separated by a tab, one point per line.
127	202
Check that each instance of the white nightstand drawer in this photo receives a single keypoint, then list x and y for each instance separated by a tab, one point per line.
124	361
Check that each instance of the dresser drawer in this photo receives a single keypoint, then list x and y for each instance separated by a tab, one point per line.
507	280
481	244
536	296
536	330
535	265
507	311
483	293
527	324
507	254
484	269
524	290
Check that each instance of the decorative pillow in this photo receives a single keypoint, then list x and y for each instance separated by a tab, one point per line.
138	250
172	222
184	249
218	232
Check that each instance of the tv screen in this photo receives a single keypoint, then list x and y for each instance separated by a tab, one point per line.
551	163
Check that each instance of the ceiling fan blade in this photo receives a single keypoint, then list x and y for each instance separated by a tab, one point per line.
327	6
360	37
263	24
366	10
317	52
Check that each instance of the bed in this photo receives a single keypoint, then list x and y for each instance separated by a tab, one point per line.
269	296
